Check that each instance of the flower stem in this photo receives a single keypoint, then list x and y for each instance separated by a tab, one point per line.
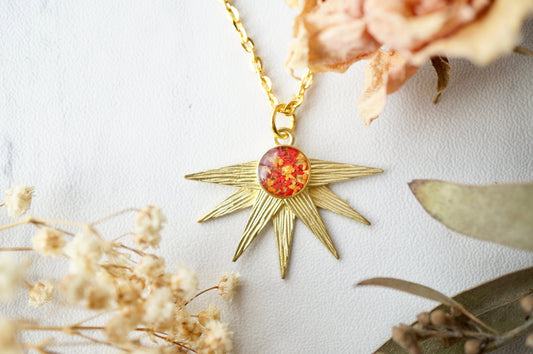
114	215
511	335
139	252
121	236
200	293
60	222
16	223
2	249
73	330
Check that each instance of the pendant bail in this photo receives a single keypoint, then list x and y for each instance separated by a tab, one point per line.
283	133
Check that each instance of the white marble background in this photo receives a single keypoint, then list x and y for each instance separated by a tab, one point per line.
108	104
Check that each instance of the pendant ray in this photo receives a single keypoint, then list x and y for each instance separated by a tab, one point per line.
242	175
283	228
324	198
325	172
303	207
241	199
265	207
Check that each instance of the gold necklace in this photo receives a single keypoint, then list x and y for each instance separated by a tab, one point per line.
284	184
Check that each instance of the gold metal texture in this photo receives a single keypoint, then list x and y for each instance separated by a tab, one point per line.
248	45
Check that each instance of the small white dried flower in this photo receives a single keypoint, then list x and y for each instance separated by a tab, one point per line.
98	296
84	251
159	307
187	328
118	328
18	200
218	338
150	267
41	293
184	282
49	242
227	286
8	340
147	228
11	276
212	313
80	287
73	287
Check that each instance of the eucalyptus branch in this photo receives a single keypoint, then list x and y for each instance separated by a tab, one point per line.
508	337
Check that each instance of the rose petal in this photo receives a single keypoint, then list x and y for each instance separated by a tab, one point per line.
483	41
330	36
293	4
385	73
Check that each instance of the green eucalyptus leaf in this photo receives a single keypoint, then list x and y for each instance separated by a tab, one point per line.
496	303
501	213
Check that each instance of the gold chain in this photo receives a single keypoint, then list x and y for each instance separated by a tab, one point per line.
288	108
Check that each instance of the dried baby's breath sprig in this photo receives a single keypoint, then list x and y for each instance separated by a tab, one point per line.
212	313
49	242
218	339
11	276
143	301
8	340
18	200
147	228
227	286
41	293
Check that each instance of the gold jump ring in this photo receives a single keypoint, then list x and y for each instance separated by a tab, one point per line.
285	132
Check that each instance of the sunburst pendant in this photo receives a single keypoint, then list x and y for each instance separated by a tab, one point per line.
282	186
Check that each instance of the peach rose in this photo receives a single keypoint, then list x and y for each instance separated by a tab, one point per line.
330	35
479	30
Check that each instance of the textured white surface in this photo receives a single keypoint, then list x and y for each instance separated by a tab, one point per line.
108	104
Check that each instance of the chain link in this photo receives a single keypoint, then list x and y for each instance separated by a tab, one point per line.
247	44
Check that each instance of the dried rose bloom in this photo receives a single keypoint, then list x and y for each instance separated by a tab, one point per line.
85	251
147	228
228	284
41	293
150	267
331	35
8	340
184	282
11	276
212	313
49	242
478	30
217	339
18	200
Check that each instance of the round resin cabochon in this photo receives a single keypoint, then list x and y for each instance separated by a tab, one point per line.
283	171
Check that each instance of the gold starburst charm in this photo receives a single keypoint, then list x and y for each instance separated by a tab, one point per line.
282	186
